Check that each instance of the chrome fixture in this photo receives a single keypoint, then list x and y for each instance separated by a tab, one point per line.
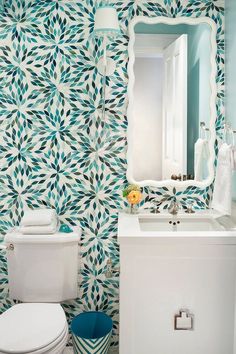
183	321
228	132
189	209
9	247
204	131
203	126
227	126
155	210
155	207
182	177
173	208
110	270
175	177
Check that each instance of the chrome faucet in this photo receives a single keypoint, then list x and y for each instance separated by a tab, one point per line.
173	208
110	270
155	207
189	209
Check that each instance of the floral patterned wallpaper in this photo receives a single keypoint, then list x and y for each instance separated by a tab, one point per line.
56	150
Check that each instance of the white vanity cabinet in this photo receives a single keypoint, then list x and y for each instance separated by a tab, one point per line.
169	263
162	273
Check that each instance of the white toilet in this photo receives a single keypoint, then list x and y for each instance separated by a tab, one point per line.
42	272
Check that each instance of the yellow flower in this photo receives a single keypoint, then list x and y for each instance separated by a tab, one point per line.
134	197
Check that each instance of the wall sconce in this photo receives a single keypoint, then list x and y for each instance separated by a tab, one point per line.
106	25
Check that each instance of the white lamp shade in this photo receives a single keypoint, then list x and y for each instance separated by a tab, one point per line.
106	21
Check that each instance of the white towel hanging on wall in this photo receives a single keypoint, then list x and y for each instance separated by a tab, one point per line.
222	194
234	158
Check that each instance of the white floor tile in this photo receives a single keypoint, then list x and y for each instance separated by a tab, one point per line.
69	350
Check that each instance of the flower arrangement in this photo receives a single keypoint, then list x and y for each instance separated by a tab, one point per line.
133	195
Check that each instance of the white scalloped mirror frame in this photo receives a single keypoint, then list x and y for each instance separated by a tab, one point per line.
172	21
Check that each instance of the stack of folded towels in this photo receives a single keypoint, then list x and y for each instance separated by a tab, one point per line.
39	221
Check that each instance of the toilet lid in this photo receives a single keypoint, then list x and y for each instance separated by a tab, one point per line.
28	327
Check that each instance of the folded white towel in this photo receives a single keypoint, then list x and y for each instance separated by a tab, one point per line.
201	155
222	194
40	230
39	217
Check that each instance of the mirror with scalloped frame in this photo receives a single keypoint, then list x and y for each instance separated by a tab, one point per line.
172	101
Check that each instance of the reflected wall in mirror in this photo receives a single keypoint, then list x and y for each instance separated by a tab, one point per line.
172	89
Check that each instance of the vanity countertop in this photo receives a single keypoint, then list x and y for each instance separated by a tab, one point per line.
205	227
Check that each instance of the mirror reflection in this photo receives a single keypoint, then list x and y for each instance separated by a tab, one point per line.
171	97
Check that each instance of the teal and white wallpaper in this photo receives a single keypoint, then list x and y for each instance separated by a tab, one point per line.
230	13
56	150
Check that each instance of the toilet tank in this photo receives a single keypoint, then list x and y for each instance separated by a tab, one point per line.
42	268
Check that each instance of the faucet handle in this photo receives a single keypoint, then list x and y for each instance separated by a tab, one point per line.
189	209
155	207
174	207
110	270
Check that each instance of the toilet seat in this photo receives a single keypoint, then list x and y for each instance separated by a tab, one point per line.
53	348
39	328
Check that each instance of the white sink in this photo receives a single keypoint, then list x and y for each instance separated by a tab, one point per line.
178	223
203	227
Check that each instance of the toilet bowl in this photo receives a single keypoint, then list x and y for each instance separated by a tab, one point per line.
33	328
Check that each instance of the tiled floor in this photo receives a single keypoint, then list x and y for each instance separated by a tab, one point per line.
68	351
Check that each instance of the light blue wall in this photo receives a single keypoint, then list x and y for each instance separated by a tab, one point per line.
199	69
199	90
231	69
160	28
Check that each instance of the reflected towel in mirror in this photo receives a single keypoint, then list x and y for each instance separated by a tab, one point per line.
201	155
234	158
